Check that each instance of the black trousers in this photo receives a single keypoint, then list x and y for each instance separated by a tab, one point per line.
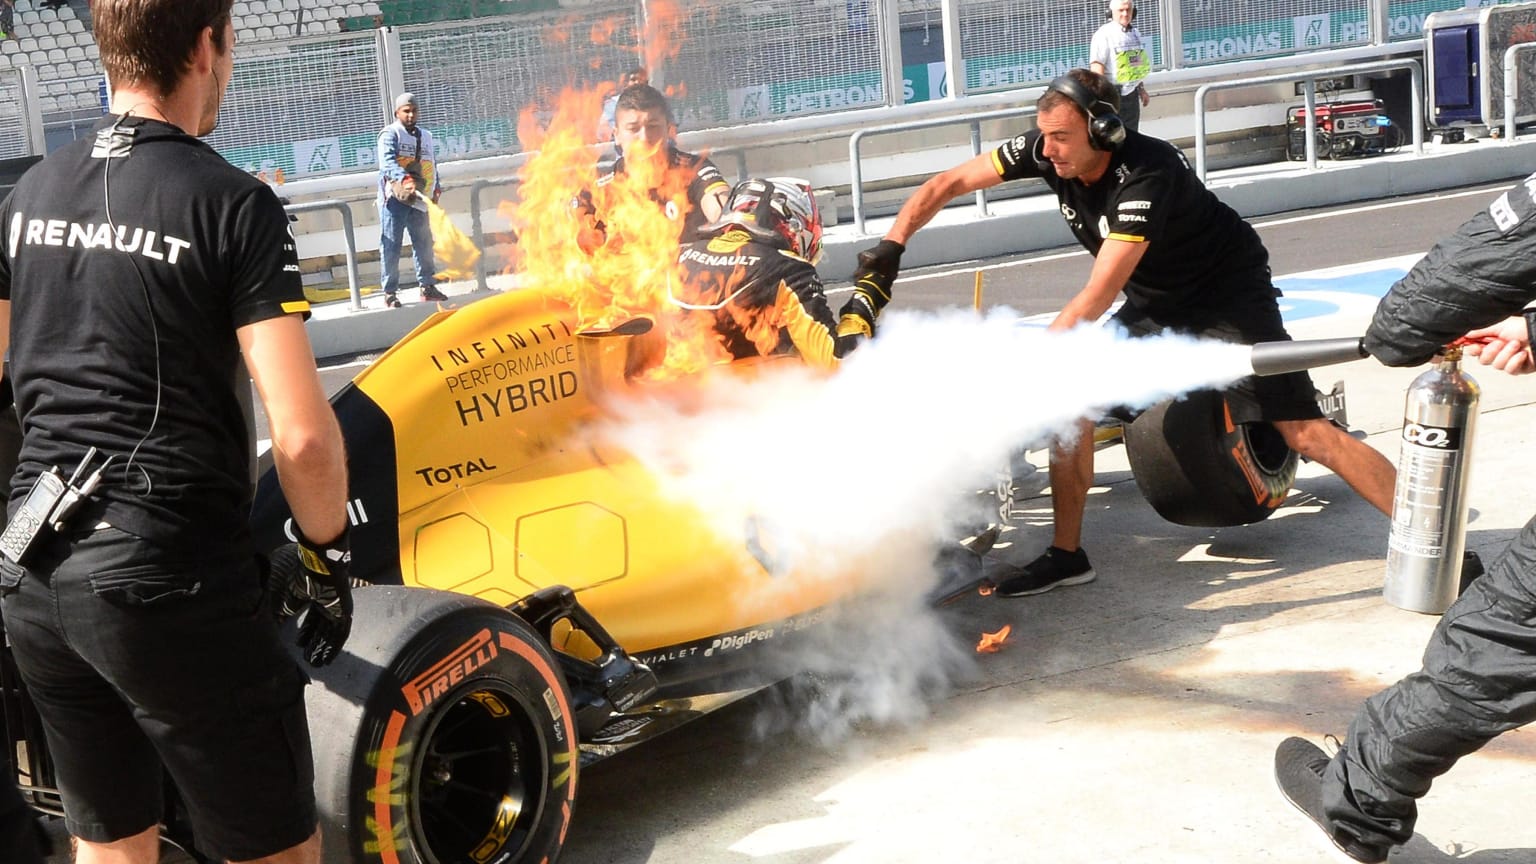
1478	681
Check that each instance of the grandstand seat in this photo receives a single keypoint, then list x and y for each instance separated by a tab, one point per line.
46	72
74	52
74	25
65	13
47	15
286	17
92	51
371	8
87	100
23	5
353	10
5	61
9	47
269	19
333	25
48	104
38	58
281	31
28	19
245	35
263	34
315	28
87	68
56	28
258	7
57	56
241	10
47	43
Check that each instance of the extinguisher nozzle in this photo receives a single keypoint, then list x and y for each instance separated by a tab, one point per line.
1278	358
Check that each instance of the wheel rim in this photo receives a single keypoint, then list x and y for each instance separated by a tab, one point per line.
477	787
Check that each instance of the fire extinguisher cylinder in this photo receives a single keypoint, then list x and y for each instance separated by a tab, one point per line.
1429	505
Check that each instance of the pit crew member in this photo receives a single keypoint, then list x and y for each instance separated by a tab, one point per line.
688	188
138	268
1478	678
1183	260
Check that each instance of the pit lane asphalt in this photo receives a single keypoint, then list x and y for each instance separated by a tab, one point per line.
1133	718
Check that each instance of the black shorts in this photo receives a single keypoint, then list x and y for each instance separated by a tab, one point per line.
1258	397
135	660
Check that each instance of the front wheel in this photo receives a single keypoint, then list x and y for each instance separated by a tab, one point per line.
443	734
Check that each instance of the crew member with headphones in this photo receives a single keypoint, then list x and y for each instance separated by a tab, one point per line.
138	269
1184	261
1119	53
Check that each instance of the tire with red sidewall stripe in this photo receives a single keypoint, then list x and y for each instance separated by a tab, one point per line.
443	734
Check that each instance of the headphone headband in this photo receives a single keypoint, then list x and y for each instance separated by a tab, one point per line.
1084	98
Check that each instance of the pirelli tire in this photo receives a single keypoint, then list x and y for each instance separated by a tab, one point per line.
443	734
1195	467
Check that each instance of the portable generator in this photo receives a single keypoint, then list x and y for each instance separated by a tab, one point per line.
1344	130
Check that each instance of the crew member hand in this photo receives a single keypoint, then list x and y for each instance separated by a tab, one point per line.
883	258
314	582
1505	346
878	266
405	189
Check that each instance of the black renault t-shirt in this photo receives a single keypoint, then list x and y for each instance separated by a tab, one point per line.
688	176
1200	253
142	366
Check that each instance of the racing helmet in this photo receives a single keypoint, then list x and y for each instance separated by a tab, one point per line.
783	206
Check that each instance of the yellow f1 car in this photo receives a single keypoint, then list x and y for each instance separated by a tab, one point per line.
537	602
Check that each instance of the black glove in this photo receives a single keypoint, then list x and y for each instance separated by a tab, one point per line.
314	581
883	258
878	266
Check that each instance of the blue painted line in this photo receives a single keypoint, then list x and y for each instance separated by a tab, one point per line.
1295	305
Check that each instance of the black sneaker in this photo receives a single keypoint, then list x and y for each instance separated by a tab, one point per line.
1054	568
431	293
391	301
1299	768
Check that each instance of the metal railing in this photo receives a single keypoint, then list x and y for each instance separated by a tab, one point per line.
353	286
855	165
476	226
1511	85
1309	90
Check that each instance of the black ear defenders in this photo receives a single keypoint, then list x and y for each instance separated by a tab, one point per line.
1105	129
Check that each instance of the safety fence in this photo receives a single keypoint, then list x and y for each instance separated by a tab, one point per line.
20	136
312	106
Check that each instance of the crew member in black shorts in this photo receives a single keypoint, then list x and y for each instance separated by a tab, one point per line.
137	269
1185	262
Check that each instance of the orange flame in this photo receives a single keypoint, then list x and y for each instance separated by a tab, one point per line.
625	268
991	643
664	31
628	268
